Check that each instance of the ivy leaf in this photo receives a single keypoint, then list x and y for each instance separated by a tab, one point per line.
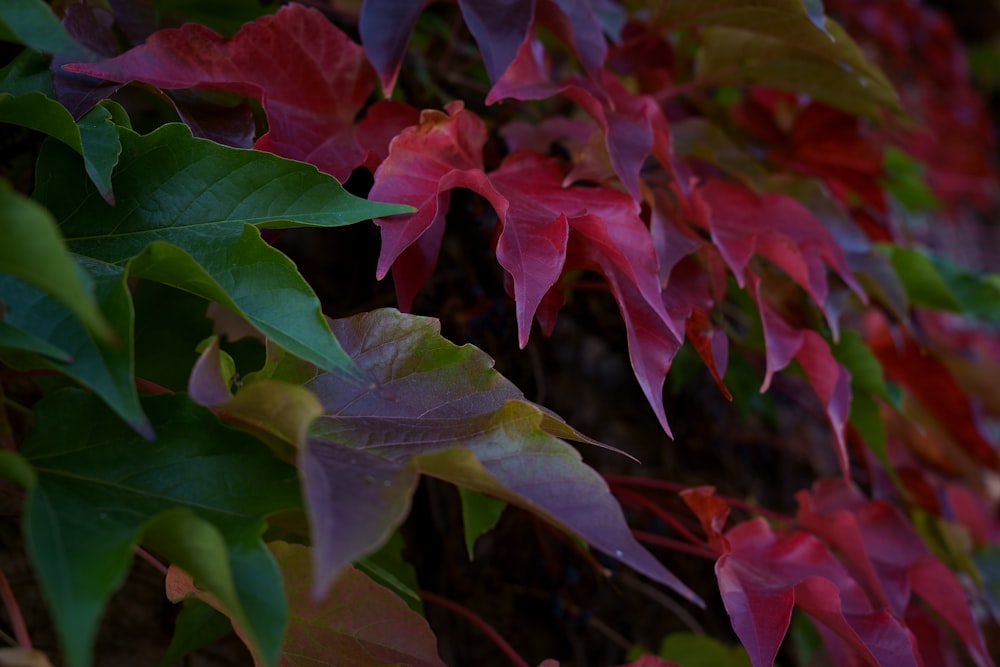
309	77
94	137
34	252
546	229
107	368
762	575
781	43
101	489
441	410
358	623
480	514
186	216
32	23
886	555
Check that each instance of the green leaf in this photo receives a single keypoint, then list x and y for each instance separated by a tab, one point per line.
101	489
106	368
388	567
866	371
905	181
781	43
94	137
184	212
17	339
197	625
32	23
480	514
691	650
14	467
34	252
923	283
28	72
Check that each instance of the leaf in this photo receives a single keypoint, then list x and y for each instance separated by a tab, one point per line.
99	486
762	575
22	657
546	229
440	410
782	43
185	216
106	368
34	252
94	137
197	625
885	554
691	650
480	514
18	339
308	76
358	623
32	23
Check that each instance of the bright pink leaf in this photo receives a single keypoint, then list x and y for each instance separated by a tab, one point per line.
310	78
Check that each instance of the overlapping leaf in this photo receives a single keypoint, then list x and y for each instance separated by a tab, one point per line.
499	28
762	575
441	410
94	137
309	77
546	228
100	489
186	216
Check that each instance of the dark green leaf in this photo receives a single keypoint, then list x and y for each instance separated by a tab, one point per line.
480	514
14	338
28	72
32	23
34	252
107	368
185	207
197	625
101	489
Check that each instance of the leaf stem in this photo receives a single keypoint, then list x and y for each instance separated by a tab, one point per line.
676	545
477	621
633	498
14	612
149	558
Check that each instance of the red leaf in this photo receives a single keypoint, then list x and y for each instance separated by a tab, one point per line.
311	79
763	575
444	151
779	229
933	385
830	380
385	27
543	226
884	553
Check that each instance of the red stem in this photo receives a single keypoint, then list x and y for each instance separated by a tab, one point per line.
483	626
634	498
675	487
149	558
150	387
14	612
676	545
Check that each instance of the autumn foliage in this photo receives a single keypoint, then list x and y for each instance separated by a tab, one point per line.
758	187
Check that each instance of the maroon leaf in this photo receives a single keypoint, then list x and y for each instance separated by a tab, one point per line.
91	27
885	554
385	27
546	228
441	410
763	575
444	151
310	78
779	229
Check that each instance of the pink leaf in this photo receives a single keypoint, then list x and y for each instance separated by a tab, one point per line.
310	78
